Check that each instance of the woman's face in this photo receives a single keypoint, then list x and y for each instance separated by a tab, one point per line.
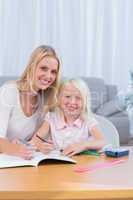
46	73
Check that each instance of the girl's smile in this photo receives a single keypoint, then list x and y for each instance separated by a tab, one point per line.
70	101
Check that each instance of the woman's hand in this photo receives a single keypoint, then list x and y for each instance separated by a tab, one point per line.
44	147
74	149
21	150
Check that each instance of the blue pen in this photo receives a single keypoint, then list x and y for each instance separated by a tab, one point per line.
24	142
28	145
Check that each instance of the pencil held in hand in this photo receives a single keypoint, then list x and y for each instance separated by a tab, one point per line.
43	145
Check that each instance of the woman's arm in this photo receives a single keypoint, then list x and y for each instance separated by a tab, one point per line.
8	99
15	149
38	140
96	142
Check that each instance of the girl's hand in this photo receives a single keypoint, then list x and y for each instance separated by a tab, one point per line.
74	149
44	147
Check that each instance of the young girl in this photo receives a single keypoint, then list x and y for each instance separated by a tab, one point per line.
72	126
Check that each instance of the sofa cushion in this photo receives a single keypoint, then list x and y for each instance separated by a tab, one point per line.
122	125
112	91
109	108
98	91
4	79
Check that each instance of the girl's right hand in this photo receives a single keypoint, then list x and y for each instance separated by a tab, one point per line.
44	147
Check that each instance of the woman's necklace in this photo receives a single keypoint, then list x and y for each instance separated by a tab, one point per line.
29	103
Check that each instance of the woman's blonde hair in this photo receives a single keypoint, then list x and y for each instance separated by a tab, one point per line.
85	94
27	80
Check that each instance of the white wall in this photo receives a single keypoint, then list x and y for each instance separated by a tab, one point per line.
92	37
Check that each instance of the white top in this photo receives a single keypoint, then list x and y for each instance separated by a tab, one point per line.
13	122
64	134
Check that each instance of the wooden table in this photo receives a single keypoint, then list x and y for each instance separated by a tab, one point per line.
59	181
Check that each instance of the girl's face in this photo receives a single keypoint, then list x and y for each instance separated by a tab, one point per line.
46	73
70	101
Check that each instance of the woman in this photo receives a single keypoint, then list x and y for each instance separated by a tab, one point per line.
22	102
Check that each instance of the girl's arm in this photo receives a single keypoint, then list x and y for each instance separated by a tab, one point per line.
38	140
15	149
96	142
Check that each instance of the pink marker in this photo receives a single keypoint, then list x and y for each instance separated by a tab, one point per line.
98	166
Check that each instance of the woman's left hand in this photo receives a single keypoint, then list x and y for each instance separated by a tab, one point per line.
74	149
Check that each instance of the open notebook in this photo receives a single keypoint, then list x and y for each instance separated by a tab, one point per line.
13	161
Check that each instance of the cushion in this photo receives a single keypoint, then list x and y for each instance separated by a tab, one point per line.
98	91
109	108
4	79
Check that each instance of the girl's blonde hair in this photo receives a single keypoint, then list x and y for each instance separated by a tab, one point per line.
85	94
27	80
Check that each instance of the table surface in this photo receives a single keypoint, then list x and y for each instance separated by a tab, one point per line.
52	180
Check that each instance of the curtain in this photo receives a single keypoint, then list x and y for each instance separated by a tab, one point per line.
92	37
